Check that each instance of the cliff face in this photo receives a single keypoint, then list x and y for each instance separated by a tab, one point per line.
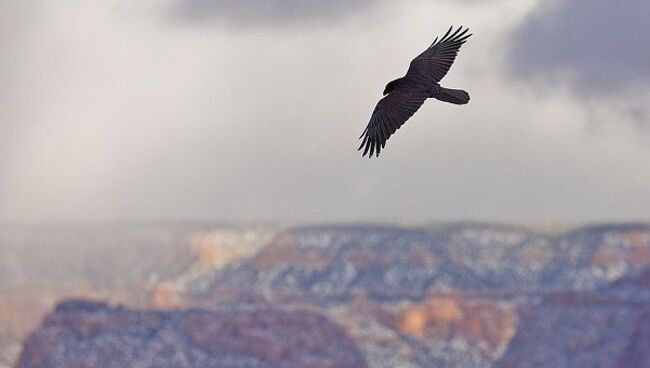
608	328
408	264
462	296
572	330
85	334
479	320
637	353
119	262
445	330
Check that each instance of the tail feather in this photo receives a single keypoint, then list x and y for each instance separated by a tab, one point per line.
455	96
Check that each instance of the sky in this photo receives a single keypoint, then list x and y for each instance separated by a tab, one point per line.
249	111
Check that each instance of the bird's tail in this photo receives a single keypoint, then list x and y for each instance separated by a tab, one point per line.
455	96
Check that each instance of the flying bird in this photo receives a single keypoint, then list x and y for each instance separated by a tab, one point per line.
405	95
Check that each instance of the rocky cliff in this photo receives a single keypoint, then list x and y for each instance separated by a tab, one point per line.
604	329
391	263
459	295
87	334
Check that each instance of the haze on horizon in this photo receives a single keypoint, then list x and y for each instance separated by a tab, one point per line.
217	110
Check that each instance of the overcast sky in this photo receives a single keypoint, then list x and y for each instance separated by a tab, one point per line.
231	110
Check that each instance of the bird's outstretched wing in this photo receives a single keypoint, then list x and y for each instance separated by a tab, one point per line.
391	112
434	63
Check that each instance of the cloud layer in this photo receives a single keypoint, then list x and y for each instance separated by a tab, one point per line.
599	47
266	12
108	111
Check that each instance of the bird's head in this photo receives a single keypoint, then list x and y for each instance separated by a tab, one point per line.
391	86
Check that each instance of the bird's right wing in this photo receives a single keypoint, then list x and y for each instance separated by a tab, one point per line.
434	63
390	113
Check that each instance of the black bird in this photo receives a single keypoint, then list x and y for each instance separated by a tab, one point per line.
405	95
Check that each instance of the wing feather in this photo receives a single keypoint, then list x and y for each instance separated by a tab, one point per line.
433	64
389	115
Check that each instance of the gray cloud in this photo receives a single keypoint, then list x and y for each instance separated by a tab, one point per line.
264	12
601	48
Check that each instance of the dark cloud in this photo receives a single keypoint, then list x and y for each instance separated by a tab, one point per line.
600	47
267	12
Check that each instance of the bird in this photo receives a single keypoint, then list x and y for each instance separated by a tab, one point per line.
404	96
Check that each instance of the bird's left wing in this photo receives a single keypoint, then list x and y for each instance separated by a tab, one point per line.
434	63
391	112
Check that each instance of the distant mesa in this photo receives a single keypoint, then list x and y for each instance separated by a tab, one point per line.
82	333
449	295
81	306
